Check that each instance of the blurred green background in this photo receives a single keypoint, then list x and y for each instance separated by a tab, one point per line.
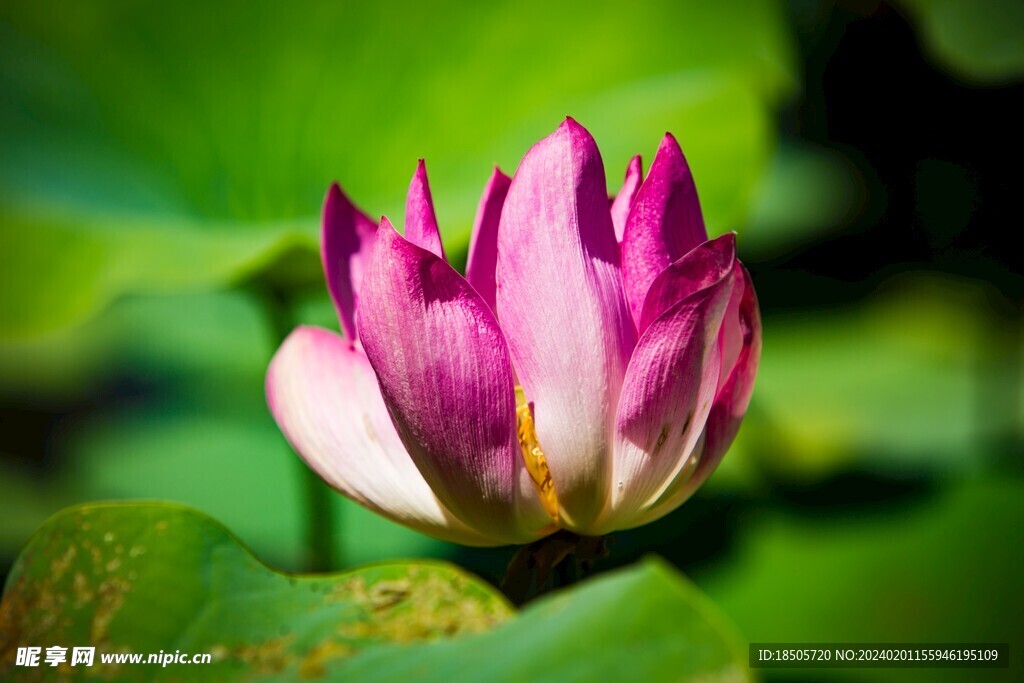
162	172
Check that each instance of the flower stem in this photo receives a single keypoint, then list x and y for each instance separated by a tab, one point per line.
320	516
565	573
554	562
321	521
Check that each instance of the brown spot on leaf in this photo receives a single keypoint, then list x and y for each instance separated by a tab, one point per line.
61	564
314	664
109	600
423	606
266	658
80	589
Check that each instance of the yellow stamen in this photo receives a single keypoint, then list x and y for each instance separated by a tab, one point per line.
533	456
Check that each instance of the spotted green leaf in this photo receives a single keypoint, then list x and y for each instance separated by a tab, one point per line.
146	578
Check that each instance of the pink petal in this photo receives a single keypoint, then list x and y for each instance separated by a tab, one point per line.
324	395
666	399
483	245
731	336
730	404
699	268
420	222
346	239
624	199
561	304
664	223
445	374
734	395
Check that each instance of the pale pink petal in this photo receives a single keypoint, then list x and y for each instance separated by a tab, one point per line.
324	396
483	244
445	374
420	221
730	404
734	395
561	304
666	399
346	239
624	199
664	223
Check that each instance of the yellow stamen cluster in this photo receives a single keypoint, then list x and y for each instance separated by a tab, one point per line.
533	456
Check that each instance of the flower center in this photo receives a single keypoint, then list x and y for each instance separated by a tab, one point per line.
533	456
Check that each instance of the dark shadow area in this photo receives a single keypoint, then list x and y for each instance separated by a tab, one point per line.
939	155
853	494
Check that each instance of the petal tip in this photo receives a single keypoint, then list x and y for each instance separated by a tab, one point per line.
499	177
419	186
670	149
421	226
576	132
577	127
724	247
334	199
386	234
635	167
419	176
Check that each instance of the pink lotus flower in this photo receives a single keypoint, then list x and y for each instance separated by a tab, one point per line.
588	373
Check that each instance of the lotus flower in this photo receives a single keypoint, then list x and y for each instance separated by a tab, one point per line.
588	373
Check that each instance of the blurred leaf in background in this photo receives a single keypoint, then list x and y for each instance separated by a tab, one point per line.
190	426
942	570
183	146
892	384
978	41
807	192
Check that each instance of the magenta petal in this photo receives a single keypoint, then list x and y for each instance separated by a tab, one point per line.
420	221
664	223
666	399
445	374
483	245
730	403
561	304
346	239
731	336
324	396
623	201
734	395
699	268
